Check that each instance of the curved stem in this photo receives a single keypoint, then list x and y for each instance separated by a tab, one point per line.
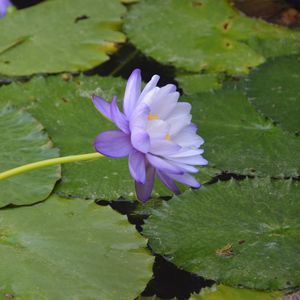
49	162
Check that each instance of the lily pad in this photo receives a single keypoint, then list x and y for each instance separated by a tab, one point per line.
192	84
237	233
239	140
67	249
206	34
92	28
223	292
24	141
274	90
67	112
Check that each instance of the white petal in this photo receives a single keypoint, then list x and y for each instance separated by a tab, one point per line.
182	108
186	179
149	86
163	164
197	160
179	118
164	103
150	96
163	147
157	129
187	137
185	167
185	152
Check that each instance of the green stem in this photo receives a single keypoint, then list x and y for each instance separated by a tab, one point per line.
49	162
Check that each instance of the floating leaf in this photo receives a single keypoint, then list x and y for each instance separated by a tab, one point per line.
24	141
192	84
206	34
223	292
67	249
239	140
67	112
256	221
62	35
274	90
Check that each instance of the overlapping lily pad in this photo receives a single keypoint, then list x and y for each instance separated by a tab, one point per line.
223	292
67	249
206	34
24	141
238	139
274	90
238	233
72	121
60	35
196	83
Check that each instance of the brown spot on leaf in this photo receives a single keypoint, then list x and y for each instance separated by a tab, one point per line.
67	76
65	100
81	18
225	25
228	45
197	4
225	251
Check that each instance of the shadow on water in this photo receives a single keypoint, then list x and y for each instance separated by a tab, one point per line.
127	59
168	281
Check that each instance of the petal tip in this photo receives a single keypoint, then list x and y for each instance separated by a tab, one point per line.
196	187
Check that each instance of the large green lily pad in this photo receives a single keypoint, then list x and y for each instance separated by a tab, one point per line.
196	83
67	112
237	233
206	34
238	139
71	249
274	90
223	292
24	141
62	35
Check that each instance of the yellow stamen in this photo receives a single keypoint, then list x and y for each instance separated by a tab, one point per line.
168	137
152	117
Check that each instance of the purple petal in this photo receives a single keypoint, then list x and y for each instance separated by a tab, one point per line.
186	179
102	106
185	152
149	86
4	5
139	118
163	103
137	166
162	164
191	160
113	143
118	117
185	167
167	181
140	140
163	147
132	92
143	191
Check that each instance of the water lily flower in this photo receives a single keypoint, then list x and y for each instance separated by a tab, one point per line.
155	132
4	5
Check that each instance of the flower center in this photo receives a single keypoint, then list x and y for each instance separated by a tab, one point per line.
168	137
152	117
